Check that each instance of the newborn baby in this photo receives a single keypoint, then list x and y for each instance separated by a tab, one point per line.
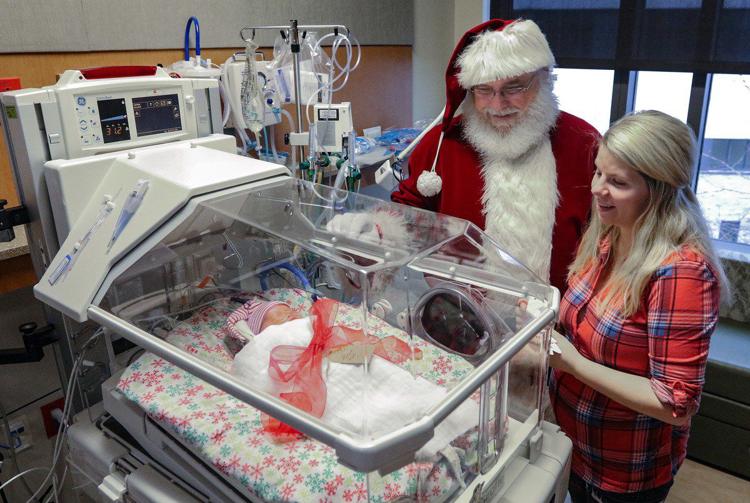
386	399
251	319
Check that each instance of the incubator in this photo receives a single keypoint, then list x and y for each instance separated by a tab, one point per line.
410	367
396	375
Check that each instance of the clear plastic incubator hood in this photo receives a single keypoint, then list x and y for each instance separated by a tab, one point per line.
399	343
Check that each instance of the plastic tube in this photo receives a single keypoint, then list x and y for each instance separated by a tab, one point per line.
344	70
227	106
286	114
341	176
258	143
190	21
272	143
239	121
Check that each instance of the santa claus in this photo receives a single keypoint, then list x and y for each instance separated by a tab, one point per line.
505	157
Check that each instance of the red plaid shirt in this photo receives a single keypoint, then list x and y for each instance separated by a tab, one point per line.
615	448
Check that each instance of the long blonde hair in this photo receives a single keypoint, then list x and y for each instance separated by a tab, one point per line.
662	149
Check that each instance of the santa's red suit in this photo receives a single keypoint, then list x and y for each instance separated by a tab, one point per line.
573	143
528	188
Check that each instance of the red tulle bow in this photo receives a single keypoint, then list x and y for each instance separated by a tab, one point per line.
297	371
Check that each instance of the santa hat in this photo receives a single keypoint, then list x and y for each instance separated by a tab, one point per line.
496	49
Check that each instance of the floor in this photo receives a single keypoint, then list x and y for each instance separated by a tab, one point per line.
699	483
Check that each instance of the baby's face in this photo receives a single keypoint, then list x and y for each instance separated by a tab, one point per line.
277	315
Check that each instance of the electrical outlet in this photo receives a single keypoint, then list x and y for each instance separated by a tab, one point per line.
20	436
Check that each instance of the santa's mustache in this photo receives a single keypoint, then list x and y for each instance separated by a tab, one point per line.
491	114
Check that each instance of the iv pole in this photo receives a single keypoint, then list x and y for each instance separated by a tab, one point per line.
293	33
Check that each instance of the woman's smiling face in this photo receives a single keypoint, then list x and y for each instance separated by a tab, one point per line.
620	192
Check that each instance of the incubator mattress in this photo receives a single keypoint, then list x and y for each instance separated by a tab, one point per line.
227	433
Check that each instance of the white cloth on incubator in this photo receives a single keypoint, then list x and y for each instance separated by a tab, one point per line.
389	398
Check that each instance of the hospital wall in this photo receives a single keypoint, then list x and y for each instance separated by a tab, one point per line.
438	24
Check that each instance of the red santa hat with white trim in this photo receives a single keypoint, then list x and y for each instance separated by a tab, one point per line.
494	50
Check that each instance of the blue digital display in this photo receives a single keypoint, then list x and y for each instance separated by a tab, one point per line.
113	117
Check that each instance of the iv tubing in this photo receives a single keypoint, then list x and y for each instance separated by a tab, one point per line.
239	121
344	70
227	107
272	143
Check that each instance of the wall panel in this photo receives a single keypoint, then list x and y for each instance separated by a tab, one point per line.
103	25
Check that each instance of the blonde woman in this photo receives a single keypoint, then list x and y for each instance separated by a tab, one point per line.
641	305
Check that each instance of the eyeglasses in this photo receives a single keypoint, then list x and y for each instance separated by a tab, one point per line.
487	92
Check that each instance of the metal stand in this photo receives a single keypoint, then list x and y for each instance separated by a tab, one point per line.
292	34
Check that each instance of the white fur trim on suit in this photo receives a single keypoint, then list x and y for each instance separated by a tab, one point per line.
519	202
520	48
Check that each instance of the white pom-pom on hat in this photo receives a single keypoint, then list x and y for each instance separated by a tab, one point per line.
429	183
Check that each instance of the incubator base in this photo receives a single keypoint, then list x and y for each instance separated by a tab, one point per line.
124	451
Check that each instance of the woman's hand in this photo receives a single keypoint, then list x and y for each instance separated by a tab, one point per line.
568	357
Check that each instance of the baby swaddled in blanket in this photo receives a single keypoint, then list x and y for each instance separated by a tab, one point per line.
317	366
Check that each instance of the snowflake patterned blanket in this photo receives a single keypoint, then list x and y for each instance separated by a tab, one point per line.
229	435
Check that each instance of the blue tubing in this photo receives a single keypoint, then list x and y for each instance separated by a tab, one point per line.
192	20
291	268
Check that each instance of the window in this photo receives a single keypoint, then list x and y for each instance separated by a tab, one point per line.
687	58
666	31
724	173
733	19
668	92
659	35
574	28
586	94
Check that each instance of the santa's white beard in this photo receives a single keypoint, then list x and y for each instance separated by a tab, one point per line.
533	126
520	180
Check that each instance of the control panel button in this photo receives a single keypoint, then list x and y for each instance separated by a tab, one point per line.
83	125
81	101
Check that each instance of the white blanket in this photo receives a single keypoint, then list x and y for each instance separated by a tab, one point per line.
383	401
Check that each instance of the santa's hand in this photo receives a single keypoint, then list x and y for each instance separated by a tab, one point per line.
355	225
379	227
350	223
